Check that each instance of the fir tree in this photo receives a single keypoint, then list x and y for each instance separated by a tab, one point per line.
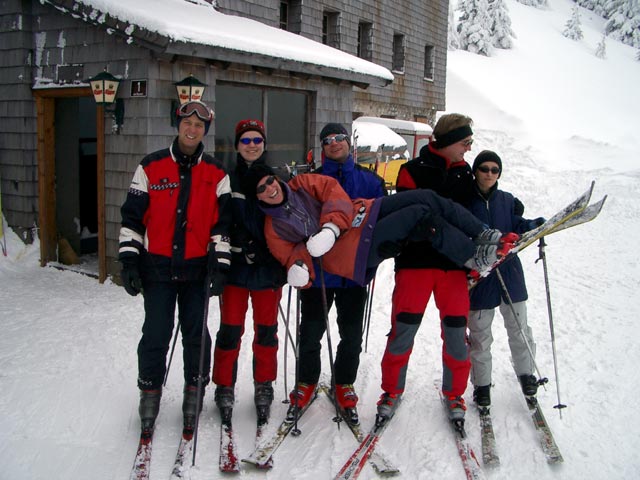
624	21
601	49
475	27
534	3
573	28
453	42
501	31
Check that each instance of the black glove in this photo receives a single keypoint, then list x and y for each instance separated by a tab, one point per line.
535	223
389	249
217	281
254	253
130	275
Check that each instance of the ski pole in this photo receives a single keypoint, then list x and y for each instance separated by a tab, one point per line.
173	347
286	343
325	309
543	257
369	307
3	231
203	342
296	431
542	380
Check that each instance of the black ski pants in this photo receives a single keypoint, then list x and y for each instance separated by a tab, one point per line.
160	299
350	303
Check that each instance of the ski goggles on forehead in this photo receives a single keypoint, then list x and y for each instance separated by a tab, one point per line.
337	138
269	181
203	112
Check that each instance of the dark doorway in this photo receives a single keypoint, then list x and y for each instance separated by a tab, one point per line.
76	173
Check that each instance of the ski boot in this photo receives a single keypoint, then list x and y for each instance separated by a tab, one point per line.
299	398
387	406
190	406
263	396
148	409
529	384
456	408
224	399
347	400
482	396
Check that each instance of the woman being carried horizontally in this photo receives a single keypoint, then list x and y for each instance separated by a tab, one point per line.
308	215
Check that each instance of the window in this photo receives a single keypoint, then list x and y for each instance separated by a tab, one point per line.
331	29
284	15
428	62
284	113
365	34
291	15
397	62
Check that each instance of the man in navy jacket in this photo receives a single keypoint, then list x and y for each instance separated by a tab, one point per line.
349	297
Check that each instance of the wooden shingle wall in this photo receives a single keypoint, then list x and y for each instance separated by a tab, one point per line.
17	118
423	23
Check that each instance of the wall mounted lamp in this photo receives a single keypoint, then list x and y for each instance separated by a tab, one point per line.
188	89
104	87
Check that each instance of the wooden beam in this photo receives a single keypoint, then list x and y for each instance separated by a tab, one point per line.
46	179
102	229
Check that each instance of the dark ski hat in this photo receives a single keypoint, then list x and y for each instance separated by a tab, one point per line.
253	176
335	129
487	156
248	126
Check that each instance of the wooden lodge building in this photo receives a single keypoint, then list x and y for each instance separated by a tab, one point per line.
66	162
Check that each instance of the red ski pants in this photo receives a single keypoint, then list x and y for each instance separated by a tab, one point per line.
235	302
412	291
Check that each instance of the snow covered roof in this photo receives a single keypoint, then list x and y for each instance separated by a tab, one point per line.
374	135
399	125
196	29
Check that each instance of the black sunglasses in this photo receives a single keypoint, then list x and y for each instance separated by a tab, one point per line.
494	170
262	188
337	138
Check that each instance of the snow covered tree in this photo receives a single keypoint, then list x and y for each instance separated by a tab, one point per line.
475	27
534	3
453	42
624	21
573	26
501	28
601	48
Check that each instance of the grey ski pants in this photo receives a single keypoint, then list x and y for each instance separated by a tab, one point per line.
481	338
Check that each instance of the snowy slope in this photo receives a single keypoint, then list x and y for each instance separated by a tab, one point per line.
68	400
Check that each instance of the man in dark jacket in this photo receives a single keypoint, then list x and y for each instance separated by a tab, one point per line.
501	210
421	271
254	275
174	236
349	297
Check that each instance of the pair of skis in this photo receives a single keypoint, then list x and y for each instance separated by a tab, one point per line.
548	444
142	463
263	454
576	213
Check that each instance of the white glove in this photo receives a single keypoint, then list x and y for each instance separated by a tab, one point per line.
298	275
323	241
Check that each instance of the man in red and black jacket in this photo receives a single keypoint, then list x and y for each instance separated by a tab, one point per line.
174	248
421	271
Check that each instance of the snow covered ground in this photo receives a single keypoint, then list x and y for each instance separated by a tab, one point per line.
559	118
